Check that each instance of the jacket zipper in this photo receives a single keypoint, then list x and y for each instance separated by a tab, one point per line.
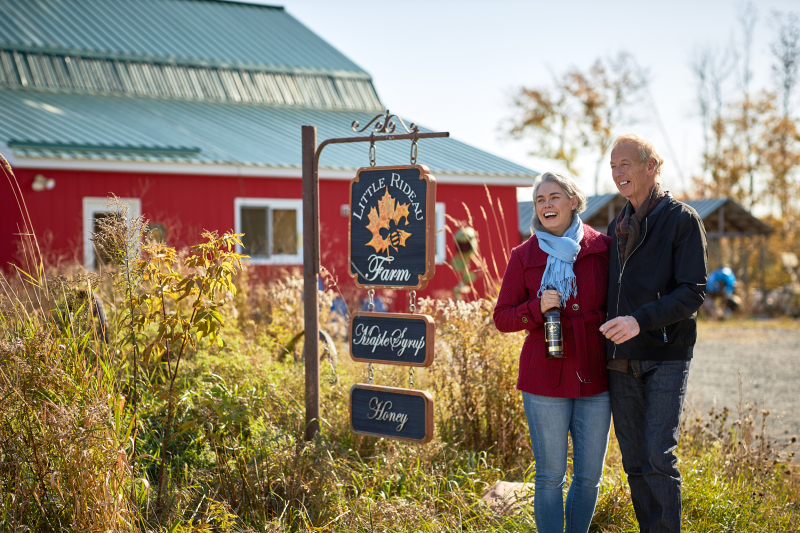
621	270
663	330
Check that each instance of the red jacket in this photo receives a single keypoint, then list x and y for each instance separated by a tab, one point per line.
518	309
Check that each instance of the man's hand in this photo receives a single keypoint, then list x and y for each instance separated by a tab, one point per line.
620	329
549	300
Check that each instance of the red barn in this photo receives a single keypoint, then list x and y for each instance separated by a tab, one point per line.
190	111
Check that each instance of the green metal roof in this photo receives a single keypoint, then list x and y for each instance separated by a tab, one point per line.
107	127
189	32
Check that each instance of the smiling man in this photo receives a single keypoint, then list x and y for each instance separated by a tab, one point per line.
656	284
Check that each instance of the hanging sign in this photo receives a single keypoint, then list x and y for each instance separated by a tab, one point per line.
392	225
391	412
392	338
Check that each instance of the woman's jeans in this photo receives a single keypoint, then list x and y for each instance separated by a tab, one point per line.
549	420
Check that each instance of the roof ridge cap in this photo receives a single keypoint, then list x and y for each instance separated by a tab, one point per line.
243	2
84	53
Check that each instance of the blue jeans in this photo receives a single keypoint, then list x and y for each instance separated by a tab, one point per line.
549	421
647	402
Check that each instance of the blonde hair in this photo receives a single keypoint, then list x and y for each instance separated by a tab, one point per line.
644	149
570	189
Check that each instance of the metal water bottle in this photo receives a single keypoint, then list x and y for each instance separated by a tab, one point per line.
554	334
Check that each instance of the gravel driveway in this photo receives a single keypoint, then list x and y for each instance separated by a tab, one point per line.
768	358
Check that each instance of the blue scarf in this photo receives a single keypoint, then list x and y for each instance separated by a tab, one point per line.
561	253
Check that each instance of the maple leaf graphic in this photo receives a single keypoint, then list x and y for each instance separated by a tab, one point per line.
388	211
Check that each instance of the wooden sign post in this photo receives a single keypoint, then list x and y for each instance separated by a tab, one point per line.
385	126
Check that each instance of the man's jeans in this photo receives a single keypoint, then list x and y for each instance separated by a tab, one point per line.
646	403
550	420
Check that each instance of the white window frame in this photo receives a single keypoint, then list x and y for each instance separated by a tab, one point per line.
96	204
441	233
272	203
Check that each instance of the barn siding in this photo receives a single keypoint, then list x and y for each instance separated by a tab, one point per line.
187	204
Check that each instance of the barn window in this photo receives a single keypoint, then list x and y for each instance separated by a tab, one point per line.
440	234
94	209
272	229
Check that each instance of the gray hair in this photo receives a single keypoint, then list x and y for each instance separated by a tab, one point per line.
569	187
644	149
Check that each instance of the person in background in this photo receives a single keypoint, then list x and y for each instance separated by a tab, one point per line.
656	284
721	282
720	300
566	396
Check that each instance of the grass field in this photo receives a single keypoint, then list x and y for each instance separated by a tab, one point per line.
191	417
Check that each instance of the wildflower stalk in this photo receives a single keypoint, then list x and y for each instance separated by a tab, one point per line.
120	237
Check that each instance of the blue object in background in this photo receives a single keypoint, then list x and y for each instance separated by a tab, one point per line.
722	279
380	305
340	307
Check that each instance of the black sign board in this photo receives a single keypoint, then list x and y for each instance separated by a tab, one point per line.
391	412
392	338
392	225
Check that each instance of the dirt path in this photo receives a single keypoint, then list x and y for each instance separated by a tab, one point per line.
768	358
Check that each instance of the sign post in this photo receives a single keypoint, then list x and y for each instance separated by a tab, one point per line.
311	154
310	273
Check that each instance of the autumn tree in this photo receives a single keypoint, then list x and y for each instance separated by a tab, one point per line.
749	137
751	149
580	112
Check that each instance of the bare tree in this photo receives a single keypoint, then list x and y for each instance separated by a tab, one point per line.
711	68
782	150
786	53
747	23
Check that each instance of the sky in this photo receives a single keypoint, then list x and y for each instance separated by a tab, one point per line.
454	65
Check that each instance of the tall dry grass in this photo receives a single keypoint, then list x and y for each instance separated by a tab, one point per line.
218	423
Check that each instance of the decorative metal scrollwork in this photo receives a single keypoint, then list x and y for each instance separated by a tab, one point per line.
385	124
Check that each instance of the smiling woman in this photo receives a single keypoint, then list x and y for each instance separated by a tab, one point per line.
564	265
557	200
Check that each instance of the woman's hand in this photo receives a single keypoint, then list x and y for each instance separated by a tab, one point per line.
549	300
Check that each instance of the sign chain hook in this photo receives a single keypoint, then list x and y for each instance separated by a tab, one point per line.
371	295
414	149
412	299
370	375
411	377
372	151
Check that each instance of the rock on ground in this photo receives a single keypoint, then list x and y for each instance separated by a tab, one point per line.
505	497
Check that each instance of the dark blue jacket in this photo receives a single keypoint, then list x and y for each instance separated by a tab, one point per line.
662	284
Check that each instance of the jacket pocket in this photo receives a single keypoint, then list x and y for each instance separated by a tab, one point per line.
663	330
